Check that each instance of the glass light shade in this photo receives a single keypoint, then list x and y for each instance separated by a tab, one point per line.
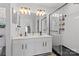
28	11
21	11
40	12
37	13
24	10
43	13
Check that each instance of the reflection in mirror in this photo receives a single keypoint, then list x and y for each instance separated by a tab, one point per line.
44	25
27	29
54	25
38	25
28	21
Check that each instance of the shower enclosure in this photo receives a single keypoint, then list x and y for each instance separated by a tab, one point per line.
55	33
56	30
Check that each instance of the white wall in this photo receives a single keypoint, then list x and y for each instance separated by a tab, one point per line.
71	34
2	21
7	28
70	37
2	39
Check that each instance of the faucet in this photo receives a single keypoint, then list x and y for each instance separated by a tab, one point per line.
25	34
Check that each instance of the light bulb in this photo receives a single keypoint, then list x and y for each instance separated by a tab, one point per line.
21	10
28	11
43	13
40	12
14	11
37	13
25	11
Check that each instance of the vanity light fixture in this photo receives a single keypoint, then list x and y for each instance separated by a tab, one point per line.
24	10
40	12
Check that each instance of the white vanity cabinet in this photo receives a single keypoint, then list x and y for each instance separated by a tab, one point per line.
31	46
47	42
17	47
28	47
22	47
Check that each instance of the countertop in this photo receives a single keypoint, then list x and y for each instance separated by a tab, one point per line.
27	37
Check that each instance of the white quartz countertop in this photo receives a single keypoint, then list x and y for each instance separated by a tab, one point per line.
26	37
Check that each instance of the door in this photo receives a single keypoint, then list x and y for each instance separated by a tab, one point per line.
38	46
29	47
17	47
47	45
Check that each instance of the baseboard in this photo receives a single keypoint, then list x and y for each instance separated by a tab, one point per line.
44	54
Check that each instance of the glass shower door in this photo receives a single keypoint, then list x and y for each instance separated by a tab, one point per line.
55	33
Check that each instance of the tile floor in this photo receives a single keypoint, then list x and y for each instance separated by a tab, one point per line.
53	54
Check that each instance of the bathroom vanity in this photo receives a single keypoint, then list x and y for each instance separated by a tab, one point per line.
28	35
31	45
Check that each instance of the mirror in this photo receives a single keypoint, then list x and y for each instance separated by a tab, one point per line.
30	23
44	25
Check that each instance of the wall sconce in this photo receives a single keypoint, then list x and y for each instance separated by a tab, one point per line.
24	10
40	12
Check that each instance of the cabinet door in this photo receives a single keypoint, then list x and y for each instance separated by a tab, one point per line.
38	46
17	47
29	47
47	45
42	45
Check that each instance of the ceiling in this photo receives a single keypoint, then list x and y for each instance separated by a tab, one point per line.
49	7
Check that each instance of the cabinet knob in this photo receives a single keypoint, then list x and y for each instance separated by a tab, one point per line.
22	46
43	44
25	46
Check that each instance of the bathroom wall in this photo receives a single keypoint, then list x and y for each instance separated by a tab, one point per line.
70	37
2	30
71	34
7	28
2	39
